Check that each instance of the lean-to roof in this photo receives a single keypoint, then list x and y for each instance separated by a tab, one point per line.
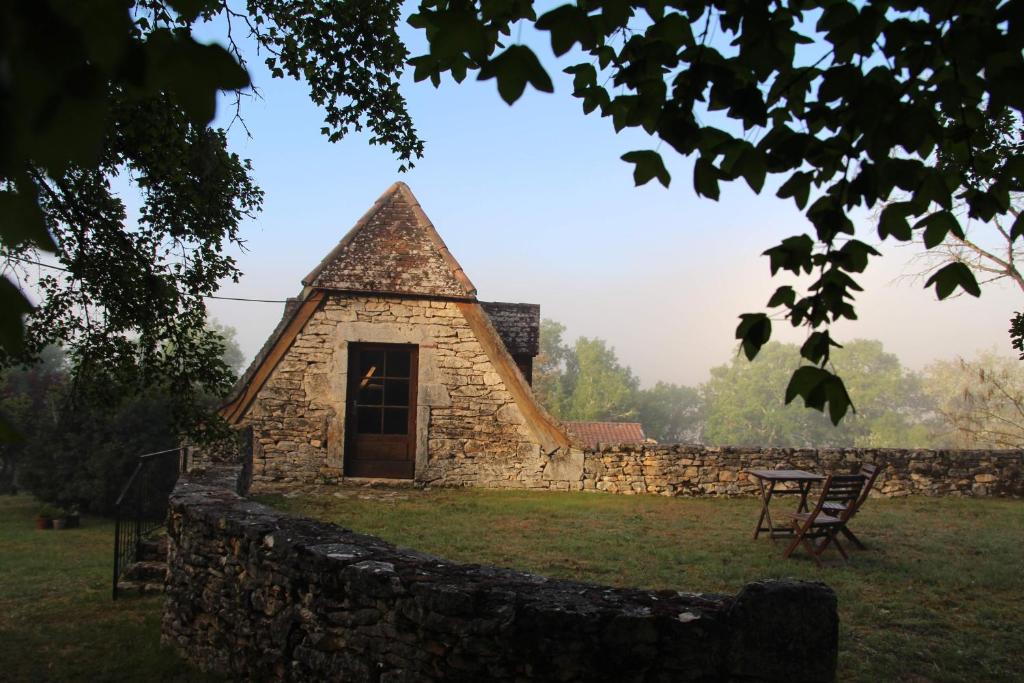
593	433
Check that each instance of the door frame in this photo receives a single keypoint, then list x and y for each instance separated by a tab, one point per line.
411	435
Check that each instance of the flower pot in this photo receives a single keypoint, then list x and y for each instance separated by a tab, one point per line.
44	522
59	523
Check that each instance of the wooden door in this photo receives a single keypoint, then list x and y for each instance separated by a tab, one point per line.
381	421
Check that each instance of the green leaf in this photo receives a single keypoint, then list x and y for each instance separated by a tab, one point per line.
933	188
818	346
792	254
783	296
819	387
753	167
937	226
754	331
194	73
798	187
1017	229
13	305
893	221
705	178
513	69
951	276
853	256
190	9
648	165
21	220
568	25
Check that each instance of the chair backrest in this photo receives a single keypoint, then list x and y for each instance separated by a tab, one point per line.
870	472
844	491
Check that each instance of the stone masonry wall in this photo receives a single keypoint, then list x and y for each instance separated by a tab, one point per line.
675	470
253	593
470	431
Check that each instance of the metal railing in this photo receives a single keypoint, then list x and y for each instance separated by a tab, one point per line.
141	508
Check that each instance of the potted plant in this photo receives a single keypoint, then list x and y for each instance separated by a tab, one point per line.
44	519
60	520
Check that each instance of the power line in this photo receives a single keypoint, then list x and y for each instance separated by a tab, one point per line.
205	296
236	298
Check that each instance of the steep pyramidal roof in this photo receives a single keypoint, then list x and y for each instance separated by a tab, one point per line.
393	249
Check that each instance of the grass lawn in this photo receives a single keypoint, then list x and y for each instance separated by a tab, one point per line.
937	597
57	620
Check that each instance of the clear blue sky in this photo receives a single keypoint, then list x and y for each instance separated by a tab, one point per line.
536	205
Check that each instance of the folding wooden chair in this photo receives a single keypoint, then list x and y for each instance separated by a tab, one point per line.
818	525
870	472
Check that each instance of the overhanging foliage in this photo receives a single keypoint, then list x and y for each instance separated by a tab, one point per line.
844	103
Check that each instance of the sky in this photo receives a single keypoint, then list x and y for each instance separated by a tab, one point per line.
536	205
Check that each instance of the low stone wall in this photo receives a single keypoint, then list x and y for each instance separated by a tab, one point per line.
675	470
255	593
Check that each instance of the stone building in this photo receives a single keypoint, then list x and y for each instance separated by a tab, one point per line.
388	366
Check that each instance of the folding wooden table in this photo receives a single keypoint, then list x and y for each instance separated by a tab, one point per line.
766	480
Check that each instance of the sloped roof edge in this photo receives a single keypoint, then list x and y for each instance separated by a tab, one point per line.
421	219
280	340
543	425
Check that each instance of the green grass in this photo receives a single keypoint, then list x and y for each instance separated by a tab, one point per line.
57	619
937	597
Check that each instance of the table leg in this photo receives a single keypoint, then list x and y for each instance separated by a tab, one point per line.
805	489
766	496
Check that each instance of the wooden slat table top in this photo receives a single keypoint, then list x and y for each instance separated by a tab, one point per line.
786	475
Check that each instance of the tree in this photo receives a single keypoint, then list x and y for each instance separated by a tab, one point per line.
744	406
602	388
103	89
586	382
553	367
1017	333
843	102
987	249
982	399
91	447
990	254
671	413
232	355
30	397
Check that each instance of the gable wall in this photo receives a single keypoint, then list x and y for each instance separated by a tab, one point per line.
470	430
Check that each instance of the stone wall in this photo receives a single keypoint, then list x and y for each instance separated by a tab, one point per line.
469	429
256	594
675	470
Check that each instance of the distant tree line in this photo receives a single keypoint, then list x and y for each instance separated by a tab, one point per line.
958	403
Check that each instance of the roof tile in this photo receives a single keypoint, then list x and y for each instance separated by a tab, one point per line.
593	433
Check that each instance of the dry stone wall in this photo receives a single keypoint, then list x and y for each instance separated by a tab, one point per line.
470	430
253	593
675	470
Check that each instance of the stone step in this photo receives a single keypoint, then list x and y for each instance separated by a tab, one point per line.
127	587
153	550
146	571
